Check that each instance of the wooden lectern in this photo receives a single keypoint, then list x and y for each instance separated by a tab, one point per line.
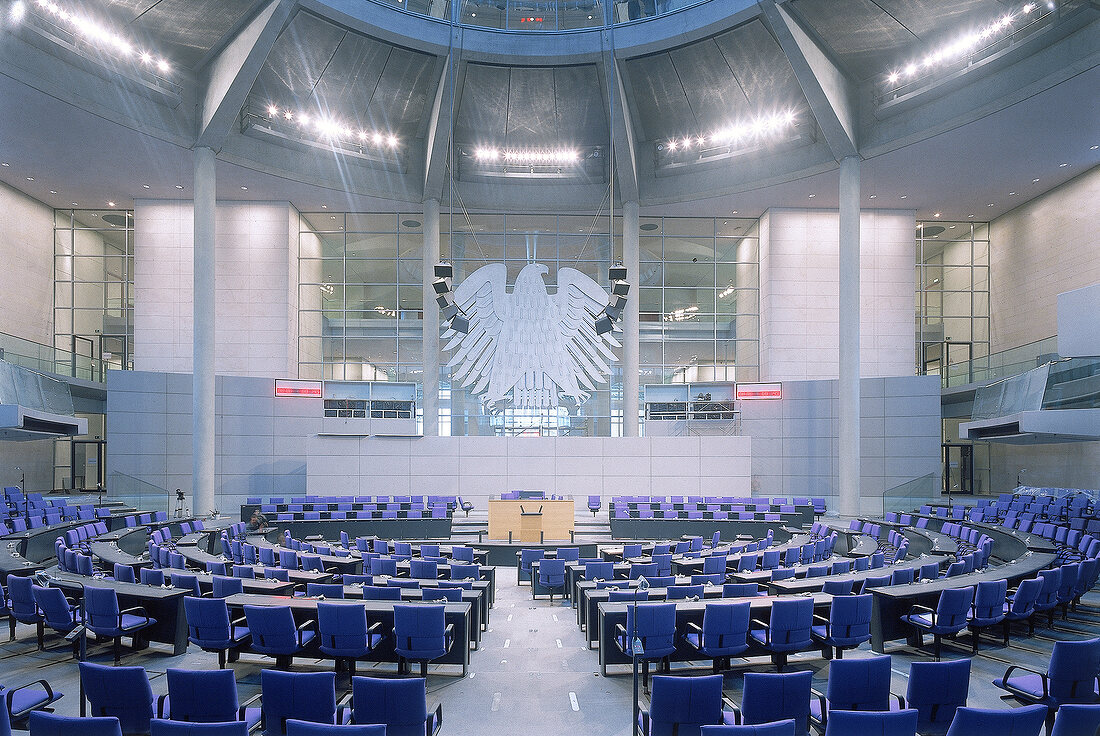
530	526
508	519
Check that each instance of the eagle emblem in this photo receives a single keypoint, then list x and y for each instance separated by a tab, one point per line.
532	344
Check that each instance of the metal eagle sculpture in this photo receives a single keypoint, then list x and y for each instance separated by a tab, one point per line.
536	345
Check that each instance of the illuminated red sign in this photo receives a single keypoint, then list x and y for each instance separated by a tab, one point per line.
294	389
750	391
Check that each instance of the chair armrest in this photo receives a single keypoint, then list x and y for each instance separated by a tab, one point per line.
136	611
160	705
438	720
306	625
1021	693
693	628
645	721
923	609
901	701
239	622
10	694
755	622
822	619
375	628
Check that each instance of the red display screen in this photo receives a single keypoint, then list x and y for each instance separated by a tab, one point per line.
751	391
294	389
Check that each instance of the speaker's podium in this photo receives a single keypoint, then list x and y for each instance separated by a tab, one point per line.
531	521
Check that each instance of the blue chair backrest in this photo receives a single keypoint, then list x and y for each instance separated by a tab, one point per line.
936	690
399	704
681	705
849	722
306	696
989	600
342	627
599	571
954	606
740	590
1026	720
202	696
726	624
1075	718
1073	669
207	620
552	572
50	724
859	684
420	629
772	697
272	627
122	692
791	620
381	593
655	624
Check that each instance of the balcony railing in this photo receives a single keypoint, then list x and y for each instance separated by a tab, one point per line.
541	15
47	359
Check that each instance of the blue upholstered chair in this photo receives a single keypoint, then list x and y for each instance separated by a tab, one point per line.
461	553
51	724
684	592
302	696
599	571
741	590
654	624
788	629
400	705
104	618
421	634
774	697
275	634
724	633
206	696
465	572
630	551
21	605
1026	721
223	587
124	573
423	570
1070	677
848	625
161	727
860	723
58	612
949	618
210	629
331	591
551	577
21	701
680	706
343	632
936	690
642	570
381	593
149	576
988	608
837	587
122	692
526	557
1073	719
854	685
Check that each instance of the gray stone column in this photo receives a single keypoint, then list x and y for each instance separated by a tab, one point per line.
849	337
202	402
631	348
430	323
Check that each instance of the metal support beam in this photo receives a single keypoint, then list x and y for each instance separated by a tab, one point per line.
430	322
631	333
230	75
849	369
438	139
832	95
626	165
203	327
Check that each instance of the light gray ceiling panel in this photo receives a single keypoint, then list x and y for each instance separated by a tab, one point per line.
532	121
404	93
350	79
712	90
482	117
297	60
765	75
660	104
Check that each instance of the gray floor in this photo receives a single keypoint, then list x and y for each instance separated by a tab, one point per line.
533	674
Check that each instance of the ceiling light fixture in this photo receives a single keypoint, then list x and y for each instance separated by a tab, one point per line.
969	43
30	178
905	196
1091	148
53	191
530	156
144	186
94	32
328	127
110	204
5	164
1034	181
179	186
244	189
1062	166
811	196
937	214
746	131
873	196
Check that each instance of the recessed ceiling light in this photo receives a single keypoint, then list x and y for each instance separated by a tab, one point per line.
873	196
53	191
1091	148
905	196
144	186
179	186
937	214
324	206
989	205
1034	181
971	214
811	196
1062	166
950	227
5	164
30	178
244	189
735	212
1012	194
74	204
110	204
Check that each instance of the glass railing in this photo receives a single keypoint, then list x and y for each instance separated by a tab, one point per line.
1071	383
39	357
541	15
1002	364
24	387
138	493
912	494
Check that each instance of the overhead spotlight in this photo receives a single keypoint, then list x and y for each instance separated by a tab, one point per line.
444	300
617	272
272	110
620	288
441	286
460	324
450	311
444	271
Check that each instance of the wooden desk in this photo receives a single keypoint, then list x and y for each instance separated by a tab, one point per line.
504	517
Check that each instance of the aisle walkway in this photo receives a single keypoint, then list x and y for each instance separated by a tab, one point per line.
533	675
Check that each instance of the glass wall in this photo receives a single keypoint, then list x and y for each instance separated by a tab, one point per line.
94	287
952	328
360	303
952	321
700	299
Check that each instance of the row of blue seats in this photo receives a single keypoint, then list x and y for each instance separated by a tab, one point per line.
436	512
858	702
328	501
796	500
39	518
121	701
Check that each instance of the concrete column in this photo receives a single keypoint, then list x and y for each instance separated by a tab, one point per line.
430	323
631	349
202	403
849	337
